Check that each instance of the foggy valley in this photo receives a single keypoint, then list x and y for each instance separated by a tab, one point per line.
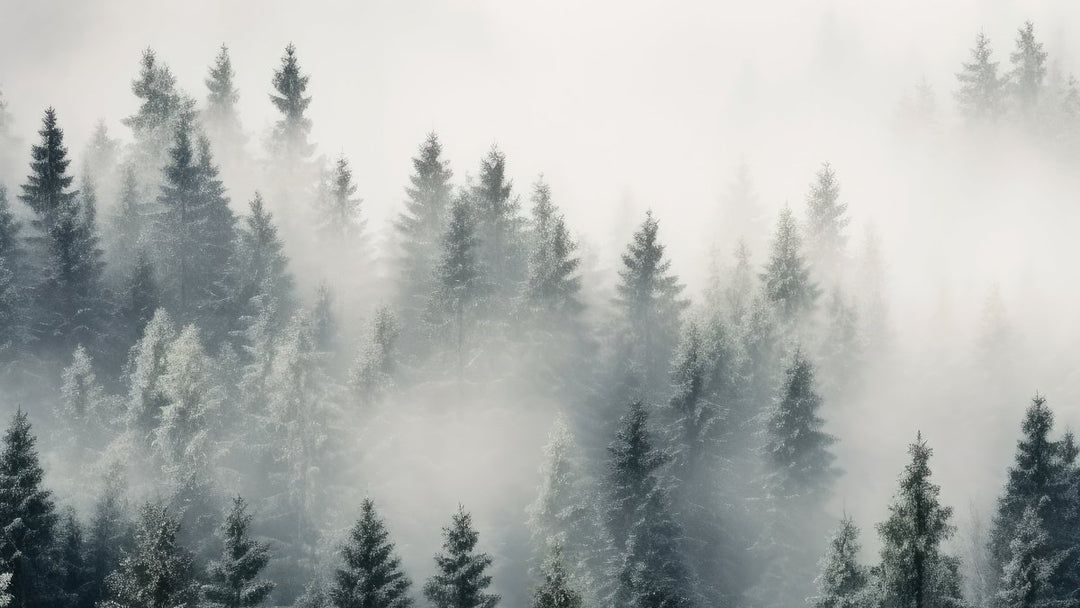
546	305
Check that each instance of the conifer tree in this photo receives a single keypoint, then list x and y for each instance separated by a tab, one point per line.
9	144
127	227
109	535
786	279
371	575
554	284
338	215
74	574
460	290
980	94
100	162
914	571
460	579
500	250
141	297
653	572
843	581
158	572
826	220
263	281
651	305
14	289
420	229
234	577
1028	69
84	411
291	131
146	367
162	108
556	589
1026	577
28	546
632	473
220	117
376	367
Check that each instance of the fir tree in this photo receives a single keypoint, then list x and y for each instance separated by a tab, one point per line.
653	573
338	216
842	348
29	520
145	369
632	473
371	575
84	412
461	578
9	143
109	535
220	117
556	590
162	108
158	573
554	284
786	279
1028	69
127	227
376	367
979	95
914	571
420	228
843	581
263	281
499	228
460	290
291	131
74	574
191	397
141	297
14	294
100	161
651	305
234	577
826	221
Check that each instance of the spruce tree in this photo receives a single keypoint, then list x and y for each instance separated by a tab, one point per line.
158	572
843	581
914	571
161	108
980	92
28	546
47	190
263	280
826	220
74	573
141	297
14	289
338	216
651	305
10	160
127	227
420	228
85	412
220	117
109	535
461	579
786	279
500	250
653	572
101	160
293	172
233	578
1028	70
632	473
371	575
554	284
556	589
145	368
460	290
842	347
1026	577
376	368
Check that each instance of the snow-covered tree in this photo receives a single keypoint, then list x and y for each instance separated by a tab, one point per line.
554	284
371	575
461	579
556	588
1025	581
786	279
234	577
1028	70
158	572
843	581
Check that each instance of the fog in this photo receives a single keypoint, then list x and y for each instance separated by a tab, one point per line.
623	108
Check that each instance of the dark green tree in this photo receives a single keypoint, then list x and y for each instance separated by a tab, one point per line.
162	107
28	518
460	579
632	473
556	589
499	226
290	136
158	572
233	578
1026	577
262	266
371	576
460	294
75	574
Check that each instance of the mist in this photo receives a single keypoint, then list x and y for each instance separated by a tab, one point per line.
452	295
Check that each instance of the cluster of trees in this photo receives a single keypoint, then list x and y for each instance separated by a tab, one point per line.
182	361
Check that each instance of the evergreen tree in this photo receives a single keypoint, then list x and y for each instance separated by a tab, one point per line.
786	279
9	144
653	574
914	571
28	518
338	216
632	473
826	221
263	278
234	577
127	225
162	107
842	348
499	228
649	298
556	589
158	573
1026	576
420	229
554	284
843	581
14	294
461	578
74	574
84	412
376	367
146	366
371	576
979	95
293	172
220	117
108	537
460	290
100	161
1028	69
141	297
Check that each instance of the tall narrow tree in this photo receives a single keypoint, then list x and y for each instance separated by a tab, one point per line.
461	579
371	575
980	94
234	577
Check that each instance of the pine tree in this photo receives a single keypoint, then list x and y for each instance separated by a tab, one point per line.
826	220
141	297
979	95
101	160
29	520
1028	69
500	252
191	397
556	590
220	117
461	578
632	473
371	576
9	143
145	369
786	279
460	290
234	577
162	108
338	215
292	168
554	284
653	573
158	573
650	302
1026	576
263	279
914	571
420	229
843	581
